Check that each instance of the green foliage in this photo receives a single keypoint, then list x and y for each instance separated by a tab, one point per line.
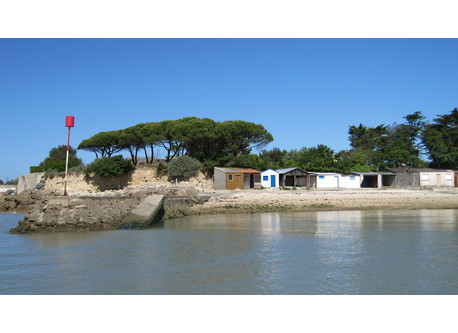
12	181
273	159
352	161
161	170
183	168
56	160
203	139
319	158
109	167
103	144
389	146
441	140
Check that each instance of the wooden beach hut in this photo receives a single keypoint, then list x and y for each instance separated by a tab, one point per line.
423	177
294	177
236	178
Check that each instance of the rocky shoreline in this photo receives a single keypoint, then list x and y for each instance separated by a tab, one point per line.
96	211
105	210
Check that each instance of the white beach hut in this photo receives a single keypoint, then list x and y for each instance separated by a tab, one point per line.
336	180
328	180
270	178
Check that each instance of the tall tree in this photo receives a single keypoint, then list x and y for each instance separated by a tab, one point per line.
440	138
57	158
273	159
103	144
132	140
319	158
151	137
368	142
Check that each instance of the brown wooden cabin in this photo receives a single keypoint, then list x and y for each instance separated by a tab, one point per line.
295	177
236	178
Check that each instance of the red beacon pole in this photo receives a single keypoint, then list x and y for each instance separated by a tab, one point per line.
69	122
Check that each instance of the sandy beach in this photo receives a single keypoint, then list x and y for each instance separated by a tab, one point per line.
309	200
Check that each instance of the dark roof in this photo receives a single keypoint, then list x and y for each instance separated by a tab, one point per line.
416	170
373	173
238	170
283	171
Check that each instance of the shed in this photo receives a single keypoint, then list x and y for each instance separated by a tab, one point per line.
376	179
270	178
336	180
424	177
327	179
236	178
295	177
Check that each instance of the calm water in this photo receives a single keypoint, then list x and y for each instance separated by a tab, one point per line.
357	252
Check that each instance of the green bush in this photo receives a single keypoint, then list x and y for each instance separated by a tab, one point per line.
183	167
11	181
161	170
56	160
109	166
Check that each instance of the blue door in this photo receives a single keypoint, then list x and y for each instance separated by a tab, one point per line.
272	181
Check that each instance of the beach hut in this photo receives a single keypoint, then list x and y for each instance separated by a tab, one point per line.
236	178
423	177
294	177
327	179
376	179
336	180
270	178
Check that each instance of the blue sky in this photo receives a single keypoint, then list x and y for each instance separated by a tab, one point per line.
304	91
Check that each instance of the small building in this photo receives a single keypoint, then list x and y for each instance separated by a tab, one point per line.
270	178
423	177
335	180
236	178
376	179
327	179
294	177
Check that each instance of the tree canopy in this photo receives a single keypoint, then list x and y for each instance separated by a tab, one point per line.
440	138
232	143
56	160
203	139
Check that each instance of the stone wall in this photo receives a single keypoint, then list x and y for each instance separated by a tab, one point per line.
23	202
29	182
77	213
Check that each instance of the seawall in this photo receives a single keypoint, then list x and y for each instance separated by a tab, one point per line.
77	214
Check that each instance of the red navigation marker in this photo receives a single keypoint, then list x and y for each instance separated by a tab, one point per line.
69	122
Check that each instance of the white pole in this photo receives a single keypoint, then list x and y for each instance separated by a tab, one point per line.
66	163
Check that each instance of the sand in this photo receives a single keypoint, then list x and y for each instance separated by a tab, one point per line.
309	200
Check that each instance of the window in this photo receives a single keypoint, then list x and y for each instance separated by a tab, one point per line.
320	177
424	177
448	177
352	178
266	178
229	177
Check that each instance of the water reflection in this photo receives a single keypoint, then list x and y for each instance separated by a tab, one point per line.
348	252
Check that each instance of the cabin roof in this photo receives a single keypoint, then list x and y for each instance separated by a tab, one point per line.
416	170
238	170
373	173
269	170
283	171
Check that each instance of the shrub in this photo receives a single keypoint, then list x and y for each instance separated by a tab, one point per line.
161	170
109	166
183	167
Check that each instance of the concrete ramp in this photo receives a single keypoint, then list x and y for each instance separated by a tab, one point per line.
149	211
